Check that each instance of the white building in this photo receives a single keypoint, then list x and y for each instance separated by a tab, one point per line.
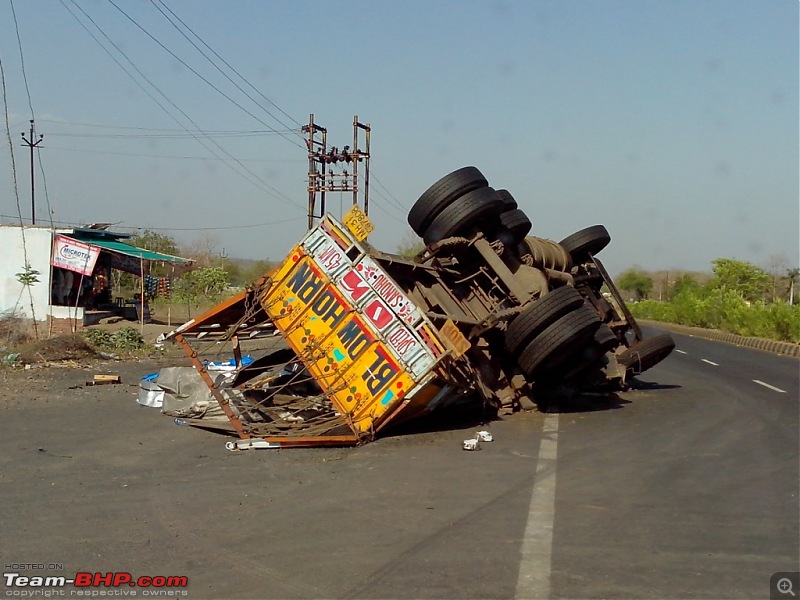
64	266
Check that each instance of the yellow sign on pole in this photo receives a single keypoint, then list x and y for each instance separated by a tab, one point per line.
455	338
358	223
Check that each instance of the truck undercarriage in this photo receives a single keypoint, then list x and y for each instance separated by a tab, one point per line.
367	339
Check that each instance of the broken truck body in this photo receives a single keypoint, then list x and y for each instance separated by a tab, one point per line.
370	339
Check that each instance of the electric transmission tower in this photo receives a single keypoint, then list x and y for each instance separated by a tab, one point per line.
324	163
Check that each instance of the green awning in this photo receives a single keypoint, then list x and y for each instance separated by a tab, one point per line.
127	249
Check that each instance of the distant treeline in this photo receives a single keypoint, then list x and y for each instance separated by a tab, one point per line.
739	298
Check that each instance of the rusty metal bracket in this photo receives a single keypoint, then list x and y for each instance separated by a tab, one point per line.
637	332
220	398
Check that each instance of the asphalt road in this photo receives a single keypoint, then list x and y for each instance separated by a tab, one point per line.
684	488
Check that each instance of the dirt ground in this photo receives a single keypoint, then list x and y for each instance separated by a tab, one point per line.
56	370
64	381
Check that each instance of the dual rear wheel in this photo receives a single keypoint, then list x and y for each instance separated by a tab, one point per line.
461	200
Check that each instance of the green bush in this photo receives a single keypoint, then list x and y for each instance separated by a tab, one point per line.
99	338
732	301
726	311
126	339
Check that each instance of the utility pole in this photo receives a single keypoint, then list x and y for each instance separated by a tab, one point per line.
322	159
31	144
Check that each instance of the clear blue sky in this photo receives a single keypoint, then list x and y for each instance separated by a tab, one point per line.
673	123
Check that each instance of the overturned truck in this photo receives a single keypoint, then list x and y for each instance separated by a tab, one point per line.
369	339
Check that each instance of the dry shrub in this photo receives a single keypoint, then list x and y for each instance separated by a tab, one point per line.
65	347
14	331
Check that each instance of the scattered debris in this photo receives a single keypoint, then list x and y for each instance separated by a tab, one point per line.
471	444
104	380
484	436
251	445
368	339
475	443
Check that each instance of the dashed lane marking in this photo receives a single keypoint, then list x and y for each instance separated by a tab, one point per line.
768	386
679	351
709	362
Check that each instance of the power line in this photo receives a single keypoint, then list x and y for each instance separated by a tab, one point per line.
185	64
30	106
172	156
158	129
226	64
399	219
21	57
258	181
215	228
44	182
27	266
165	136
394	200
11	152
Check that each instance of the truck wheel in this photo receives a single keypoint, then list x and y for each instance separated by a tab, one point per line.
604	341
590	240
441	194
517	222
539	314
508	200
558	343
461	214
646	354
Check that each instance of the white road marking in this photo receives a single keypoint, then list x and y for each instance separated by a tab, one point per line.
537	544
680	351
772	387
709	362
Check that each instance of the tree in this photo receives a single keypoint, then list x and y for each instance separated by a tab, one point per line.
778	265
792	275
684	284
254	271
634	280
201	284
157	242
410	246
750	282
27	278
148	240
203	251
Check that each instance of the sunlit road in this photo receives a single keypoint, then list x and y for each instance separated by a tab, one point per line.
686	487
688	491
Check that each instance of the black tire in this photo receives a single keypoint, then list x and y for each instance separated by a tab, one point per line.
581	243
559	342
508	200
461	214
590	355
441	194
646	354
540	314
516	222
591	280
605	339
